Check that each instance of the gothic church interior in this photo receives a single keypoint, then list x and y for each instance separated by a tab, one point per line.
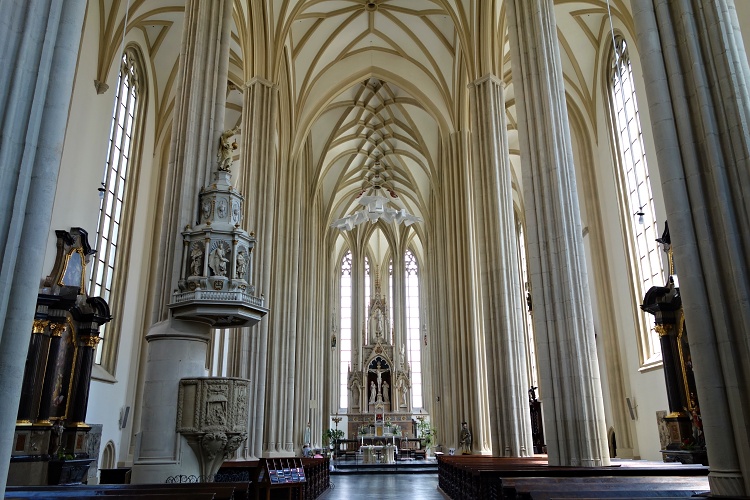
451	202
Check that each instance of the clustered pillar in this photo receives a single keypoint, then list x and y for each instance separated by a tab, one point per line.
563	322
40	40
503	315
696	73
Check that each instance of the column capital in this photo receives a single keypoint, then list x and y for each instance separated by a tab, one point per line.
40	325
489	77
663	329
260	80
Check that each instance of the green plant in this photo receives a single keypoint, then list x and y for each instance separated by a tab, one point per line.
330	436
62	455
427	433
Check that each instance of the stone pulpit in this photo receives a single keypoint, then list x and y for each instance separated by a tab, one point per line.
212	415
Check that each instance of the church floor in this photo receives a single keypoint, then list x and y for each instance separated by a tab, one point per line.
388	487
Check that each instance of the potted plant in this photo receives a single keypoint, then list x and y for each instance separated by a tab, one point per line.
331	438
427	433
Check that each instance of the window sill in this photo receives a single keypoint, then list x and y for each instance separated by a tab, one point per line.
655	363
100	374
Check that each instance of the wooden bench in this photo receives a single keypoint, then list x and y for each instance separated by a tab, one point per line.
317	475
347	448
545	488
69	495
472	476
412	448
208	491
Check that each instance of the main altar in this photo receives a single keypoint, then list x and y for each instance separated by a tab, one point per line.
379	380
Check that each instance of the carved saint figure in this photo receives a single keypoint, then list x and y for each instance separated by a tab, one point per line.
402	356
226	149
378	323
196	265
206	209
221	209
217	261
373	390
402	390
465	439
236	216
355	396
386	391
241	265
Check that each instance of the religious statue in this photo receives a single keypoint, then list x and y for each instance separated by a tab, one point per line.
307	435
402	356
355	396
402	391
217	261
464	439
226	149
372	392
241	265
386	392
196	265
379	372
532	394
378	323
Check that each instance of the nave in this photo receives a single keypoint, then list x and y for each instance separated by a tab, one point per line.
388	487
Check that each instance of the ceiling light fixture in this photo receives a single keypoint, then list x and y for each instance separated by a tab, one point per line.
376	196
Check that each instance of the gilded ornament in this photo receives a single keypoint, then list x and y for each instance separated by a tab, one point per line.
663	329
40	325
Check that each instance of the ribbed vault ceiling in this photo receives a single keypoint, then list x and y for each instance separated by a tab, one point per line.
370	79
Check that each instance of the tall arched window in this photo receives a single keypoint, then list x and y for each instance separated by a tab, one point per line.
636	192
413	328
391	300
367	284
120	165
345	331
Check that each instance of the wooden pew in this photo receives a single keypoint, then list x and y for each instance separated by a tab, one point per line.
217	491
472	476
545	488
69	495
317	475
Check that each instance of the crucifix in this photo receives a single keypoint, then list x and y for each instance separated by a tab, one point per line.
379	372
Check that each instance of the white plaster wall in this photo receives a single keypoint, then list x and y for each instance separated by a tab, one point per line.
77	204
647	388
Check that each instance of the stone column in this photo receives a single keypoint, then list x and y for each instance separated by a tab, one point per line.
39	42
459	373
697	84
177	348
570	383
502	314
259	179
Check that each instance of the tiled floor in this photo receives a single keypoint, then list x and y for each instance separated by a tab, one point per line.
384	487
